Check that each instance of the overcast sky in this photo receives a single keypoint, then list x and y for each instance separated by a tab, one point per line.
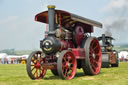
18	29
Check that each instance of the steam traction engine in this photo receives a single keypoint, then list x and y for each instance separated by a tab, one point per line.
109	56
66	46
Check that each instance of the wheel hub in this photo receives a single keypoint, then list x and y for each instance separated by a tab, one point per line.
69	65
93	55
37	65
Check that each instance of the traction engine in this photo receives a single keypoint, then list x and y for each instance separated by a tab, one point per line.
67	45
109	56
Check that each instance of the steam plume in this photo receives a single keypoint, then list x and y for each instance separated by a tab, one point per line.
117	21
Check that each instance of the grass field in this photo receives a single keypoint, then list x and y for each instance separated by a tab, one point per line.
16	75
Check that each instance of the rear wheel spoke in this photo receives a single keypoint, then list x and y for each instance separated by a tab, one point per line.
92	44
95	47
97	54
96	64
93	67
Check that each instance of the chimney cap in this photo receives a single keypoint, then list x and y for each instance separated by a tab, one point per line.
51	6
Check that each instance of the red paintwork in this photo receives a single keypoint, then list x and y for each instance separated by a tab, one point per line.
42	17
37	71
59	26
69	65
50	66
66	44
79	35
79	53
95	62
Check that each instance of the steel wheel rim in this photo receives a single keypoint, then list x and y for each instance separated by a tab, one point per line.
37	70
68	65
95	56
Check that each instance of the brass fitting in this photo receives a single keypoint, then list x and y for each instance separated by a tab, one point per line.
51	6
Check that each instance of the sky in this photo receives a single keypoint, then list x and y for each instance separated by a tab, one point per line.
18	29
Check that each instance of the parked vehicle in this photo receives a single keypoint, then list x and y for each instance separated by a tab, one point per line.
109	56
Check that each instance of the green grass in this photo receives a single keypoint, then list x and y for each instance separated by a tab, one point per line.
16	75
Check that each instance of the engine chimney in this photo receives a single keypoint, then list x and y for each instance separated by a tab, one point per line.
51	20
103	39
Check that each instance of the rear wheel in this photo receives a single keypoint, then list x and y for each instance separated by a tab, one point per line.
34	65
92	63
66	65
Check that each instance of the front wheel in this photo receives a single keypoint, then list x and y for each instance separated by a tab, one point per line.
34	65
66	65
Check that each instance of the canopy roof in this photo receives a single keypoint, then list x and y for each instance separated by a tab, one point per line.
106	37
67	19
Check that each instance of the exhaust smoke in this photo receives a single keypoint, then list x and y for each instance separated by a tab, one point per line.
117	20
